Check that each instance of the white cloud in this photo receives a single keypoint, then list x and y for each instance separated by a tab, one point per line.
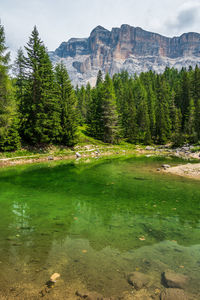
185	19
60	20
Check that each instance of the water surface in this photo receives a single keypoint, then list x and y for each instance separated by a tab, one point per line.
95	222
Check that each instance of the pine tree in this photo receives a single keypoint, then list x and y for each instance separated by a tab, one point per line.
163	122
197	119
109	116
88	100
129	116
9	137
185	97
81	105
20	83
151	100
196	84
176	118
67	102
191	123
99	78
94	113
40	123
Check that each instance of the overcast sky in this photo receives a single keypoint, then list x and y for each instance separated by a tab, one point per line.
59	20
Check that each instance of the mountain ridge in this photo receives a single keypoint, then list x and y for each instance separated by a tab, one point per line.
125	48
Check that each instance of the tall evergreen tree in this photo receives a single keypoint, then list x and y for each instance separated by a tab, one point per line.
191	123
81	95
109	116
99	78
40	123
9	138
163	121
128	115
185	97
67	102
143	121
197	119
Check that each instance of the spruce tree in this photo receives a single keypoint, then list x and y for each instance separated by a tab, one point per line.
81	105
185	97
197	119
99	78
67	106
40	123
163	121
191	123
109	116
128	115
9	137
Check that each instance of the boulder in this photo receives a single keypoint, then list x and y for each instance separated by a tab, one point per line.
138	280
173	294
174	280
78	155
142	294
50	158
89	295
166	166
150	148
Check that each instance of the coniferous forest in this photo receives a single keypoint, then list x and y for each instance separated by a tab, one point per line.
39	106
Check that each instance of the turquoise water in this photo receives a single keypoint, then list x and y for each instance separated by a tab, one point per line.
95	222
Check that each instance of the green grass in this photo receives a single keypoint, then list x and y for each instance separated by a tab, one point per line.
196	149
85	144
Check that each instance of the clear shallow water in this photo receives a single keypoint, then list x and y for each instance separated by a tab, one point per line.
96	222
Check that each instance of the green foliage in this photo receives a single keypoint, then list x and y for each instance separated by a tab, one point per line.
9	137
39	109
67	102
41	106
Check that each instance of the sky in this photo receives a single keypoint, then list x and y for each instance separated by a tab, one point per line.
60	20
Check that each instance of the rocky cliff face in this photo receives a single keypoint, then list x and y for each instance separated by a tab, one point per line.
125	48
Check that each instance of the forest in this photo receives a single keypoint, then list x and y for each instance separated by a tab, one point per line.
39	106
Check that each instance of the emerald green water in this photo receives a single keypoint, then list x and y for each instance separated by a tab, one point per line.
95	222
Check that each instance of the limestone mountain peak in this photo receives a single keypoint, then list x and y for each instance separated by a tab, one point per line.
125	48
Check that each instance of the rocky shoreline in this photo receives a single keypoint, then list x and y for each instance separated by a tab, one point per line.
189	170
90	151
186	170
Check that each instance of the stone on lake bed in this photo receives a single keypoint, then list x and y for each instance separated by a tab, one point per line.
138	280
174	280
89	295
54	277
173	294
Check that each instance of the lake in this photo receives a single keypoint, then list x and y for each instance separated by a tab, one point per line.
94	222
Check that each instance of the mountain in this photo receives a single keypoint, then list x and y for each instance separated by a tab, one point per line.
125	48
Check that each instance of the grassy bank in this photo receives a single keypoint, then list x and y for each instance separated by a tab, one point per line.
87	147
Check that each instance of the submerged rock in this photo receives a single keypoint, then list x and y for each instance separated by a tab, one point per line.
174	280
54	277
138	280
89	295
173	294
142	294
